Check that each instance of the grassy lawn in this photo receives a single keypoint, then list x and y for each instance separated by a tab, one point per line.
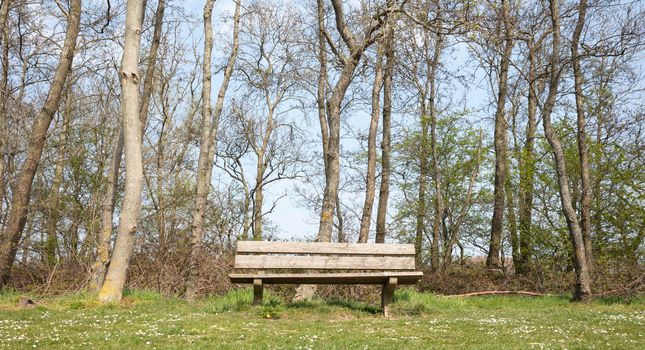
420	321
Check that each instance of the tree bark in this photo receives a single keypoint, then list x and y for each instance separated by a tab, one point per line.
101	261
583	148
501	147
423	184
53	199
583	281
436	174
112	288
527	166
261	164
370	183
210	122
4	95
22	191
388	74
332	175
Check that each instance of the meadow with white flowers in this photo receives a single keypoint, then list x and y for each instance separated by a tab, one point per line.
147	320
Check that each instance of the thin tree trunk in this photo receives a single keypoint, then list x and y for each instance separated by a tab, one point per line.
112	288
258	201
4	97
370	185
22	192
583	281
436	174
101	261
246	205
454	235
53	199
384	192
583	148
349	63
261	165
497	224
210	122
423	184
527	167
512	222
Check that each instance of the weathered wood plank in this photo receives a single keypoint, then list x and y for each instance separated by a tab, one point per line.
258	288
386	294
324	262
324	248
403	277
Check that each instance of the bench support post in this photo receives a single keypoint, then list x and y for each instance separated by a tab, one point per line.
257	291
386	294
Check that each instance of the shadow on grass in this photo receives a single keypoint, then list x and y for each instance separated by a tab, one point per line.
335	302
352	305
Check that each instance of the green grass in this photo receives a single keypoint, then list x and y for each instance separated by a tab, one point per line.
146	320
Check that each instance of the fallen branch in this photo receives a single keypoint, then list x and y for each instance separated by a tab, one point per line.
498	292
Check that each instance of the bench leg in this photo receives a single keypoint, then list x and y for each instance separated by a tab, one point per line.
257	291
386	294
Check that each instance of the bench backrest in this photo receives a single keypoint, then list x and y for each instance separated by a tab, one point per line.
324	256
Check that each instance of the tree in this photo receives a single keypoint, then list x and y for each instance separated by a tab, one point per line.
581	136
388	74
356	48
583	280
270	71
370	183
102	258
22	190
112	288
501	139
210	122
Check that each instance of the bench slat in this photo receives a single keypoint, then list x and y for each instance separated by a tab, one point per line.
328	278
324	262
324	248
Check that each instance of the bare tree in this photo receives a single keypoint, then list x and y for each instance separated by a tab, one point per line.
388	75
370	183
583	148
356	48
583	280
527	159
210	122
22	190
112	288
102	258
501	139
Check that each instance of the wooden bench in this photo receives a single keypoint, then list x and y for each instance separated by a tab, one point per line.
335	263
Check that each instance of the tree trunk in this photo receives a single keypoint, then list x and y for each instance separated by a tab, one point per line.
384	192
454	235
436	174
22	190
583	281
512	222
210	122
501	148
112	288
423	184
53	199
4	97
366	218
583	148
108	203
527	167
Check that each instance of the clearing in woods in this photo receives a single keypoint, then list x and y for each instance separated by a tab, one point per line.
145	320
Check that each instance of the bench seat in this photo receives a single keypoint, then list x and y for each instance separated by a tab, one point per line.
328	278
388	265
